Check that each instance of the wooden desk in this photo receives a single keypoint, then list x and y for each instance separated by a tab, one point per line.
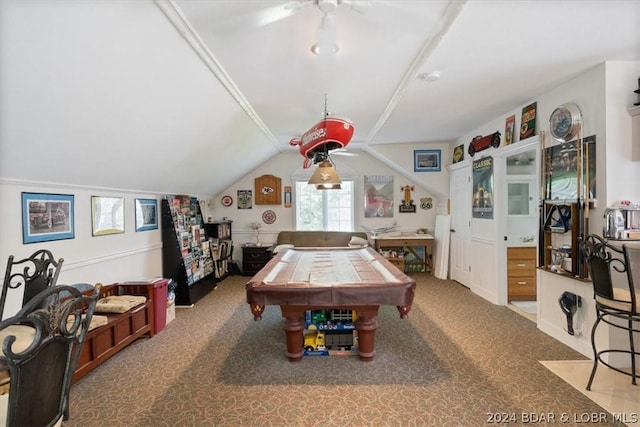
346	278
410	243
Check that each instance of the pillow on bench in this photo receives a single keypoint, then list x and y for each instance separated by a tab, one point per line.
119	303
96	321
358	242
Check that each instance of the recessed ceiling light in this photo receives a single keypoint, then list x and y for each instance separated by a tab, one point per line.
324	48
430	77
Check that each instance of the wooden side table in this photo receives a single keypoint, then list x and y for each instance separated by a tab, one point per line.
254	258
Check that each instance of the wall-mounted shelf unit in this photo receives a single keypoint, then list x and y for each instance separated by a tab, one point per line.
563	228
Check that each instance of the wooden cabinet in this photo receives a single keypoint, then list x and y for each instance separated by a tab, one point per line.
411	254
254	258
521	273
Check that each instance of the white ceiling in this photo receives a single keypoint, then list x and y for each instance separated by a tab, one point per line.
492	55
189	96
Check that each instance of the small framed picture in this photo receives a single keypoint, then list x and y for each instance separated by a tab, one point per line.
47	217
107	215
146	214
427	160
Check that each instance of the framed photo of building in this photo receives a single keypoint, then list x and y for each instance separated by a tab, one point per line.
146	214
47	217
427	160
107	215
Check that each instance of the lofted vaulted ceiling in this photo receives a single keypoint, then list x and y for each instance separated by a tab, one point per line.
223	85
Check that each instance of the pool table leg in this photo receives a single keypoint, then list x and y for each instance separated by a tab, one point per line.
366	325
294	328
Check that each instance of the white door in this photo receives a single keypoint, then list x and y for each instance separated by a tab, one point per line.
460	187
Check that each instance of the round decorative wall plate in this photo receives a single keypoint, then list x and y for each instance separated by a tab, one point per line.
269	217
564	122
226	201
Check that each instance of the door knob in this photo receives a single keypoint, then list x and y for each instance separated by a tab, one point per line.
452	230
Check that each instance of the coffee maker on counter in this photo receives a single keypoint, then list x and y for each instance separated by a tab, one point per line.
622	222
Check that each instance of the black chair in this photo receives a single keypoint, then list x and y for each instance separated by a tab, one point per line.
35	273
41	346
615	296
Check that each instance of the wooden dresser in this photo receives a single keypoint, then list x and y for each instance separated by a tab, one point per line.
254	258
521	273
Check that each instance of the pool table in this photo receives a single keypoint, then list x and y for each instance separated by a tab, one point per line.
301	279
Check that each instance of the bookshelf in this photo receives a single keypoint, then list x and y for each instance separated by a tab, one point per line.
221	245
186	251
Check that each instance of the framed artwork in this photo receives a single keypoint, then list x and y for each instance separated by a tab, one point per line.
378	196
287	196
47	217
107	215
458	154
482	204
528	121
245	199
509	128
146	214
427	160
562	170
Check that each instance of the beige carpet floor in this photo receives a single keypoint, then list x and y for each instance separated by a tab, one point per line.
458	360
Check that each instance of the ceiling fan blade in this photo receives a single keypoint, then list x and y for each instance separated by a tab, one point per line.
360	6
342	152
262	17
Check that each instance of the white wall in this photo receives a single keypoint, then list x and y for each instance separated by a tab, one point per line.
603	93
87	259
289	165
138	255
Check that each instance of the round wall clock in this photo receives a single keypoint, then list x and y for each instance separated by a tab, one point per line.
565	122
269	217
226	201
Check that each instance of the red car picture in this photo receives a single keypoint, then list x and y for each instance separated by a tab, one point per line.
480	143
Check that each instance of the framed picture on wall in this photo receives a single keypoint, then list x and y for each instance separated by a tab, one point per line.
427	160
47	217
146	214
107	215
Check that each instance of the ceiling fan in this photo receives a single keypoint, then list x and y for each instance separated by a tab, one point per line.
279	12
330	135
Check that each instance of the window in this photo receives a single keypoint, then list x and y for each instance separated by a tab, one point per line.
329	210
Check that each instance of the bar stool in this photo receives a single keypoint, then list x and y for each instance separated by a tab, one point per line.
615	297
35	274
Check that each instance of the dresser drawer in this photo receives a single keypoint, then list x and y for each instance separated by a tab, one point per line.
254	258
253	255
525	252
522	288
249	268
520	267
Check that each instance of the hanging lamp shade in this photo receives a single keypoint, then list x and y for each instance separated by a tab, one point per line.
325	177
328	187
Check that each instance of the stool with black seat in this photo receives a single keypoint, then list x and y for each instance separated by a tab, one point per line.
35	274
615	297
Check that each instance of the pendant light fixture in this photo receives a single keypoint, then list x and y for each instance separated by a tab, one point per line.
325	177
